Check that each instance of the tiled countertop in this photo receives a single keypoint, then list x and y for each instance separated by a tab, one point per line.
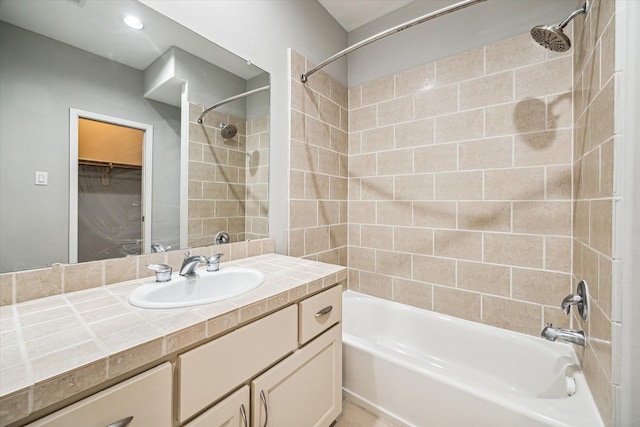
56	347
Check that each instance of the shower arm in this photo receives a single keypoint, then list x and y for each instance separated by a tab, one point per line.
396	29
569	18
233	98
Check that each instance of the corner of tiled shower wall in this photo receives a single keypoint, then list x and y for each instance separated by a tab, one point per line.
318	166
593	175
28	285
460	185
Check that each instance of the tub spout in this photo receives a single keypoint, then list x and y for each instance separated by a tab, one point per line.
567	335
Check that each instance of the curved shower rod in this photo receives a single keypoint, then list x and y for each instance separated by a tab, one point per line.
390	31
233	98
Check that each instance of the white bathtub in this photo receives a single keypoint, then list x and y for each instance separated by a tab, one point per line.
415	367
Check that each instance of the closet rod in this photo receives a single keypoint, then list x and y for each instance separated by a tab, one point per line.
233	98
396	29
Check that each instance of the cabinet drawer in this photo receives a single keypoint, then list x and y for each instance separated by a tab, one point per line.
231	412
145	397
212	370
319	313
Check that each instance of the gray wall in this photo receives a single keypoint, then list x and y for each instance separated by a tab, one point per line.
262	32
40	79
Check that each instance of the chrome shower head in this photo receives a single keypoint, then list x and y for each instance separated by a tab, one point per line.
552	37
228	131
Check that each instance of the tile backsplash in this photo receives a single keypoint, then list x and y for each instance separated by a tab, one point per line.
21	286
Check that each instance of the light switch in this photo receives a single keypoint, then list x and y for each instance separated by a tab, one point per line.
42	178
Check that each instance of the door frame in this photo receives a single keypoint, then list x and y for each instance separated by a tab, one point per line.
147	163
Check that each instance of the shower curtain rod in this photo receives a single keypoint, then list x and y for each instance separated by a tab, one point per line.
233	98
396	29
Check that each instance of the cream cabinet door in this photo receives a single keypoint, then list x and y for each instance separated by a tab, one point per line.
142	401
305	389
231	412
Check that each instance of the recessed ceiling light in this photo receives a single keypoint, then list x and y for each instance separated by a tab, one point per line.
133	22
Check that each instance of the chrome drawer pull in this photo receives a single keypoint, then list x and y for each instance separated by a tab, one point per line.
244	416
324	311
266	410
121	423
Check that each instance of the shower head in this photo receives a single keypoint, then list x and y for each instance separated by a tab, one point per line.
552	37
228	131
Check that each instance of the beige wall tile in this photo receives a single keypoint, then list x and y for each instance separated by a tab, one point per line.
376	236
339	93
363	118
552	218
485	216
557	254
438	271
34	284
484	278
304	156
397	162
413	240
6	289
434	214
513	249
377	188
456	302
605	285
394	213
377	139
463	66
395	264
558	182
542	287
458	244
396	111
601	125
362	165
436	102
449	129
120	270
378	285
543	148
316	239
413	293
543	79
362	212
528	115
318	133
296	243
600	225
83	276
329	112
458	186
413	187
355	97
513	315
486	153
514	184
485	91
415	80
303	213
414	134
435	158
328	212
378	91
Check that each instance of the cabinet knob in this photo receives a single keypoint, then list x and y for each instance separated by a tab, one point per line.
121	423
266	409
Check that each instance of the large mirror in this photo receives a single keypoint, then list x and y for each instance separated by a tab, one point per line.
101	152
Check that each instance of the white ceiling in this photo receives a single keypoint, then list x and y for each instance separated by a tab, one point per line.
352	14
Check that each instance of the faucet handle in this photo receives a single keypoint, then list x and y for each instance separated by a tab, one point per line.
163	272
213	263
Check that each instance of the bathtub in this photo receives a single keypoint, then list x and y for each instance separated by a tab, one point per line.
415	367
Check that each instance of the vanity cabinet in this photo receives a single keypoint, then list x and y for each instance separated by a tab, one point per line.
231	412
142	401
305	389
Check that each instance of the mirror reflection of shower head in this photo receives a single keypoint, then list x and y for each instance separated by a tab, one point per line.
228	131
552	37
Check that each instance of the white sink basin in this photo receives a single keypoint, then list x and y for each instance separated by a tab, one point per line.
202	288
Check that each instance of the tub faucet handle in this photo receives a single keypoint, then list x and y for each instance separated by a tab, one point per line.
579	299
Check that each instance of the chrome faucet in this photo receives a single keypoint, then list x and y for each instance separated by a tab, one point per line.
567	335
190	263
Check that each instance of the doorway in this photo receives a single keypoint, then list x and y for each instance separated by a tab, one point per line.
110	187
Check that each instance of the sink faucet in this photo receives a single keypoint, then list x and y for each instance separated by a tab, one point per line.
567	335
190	263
